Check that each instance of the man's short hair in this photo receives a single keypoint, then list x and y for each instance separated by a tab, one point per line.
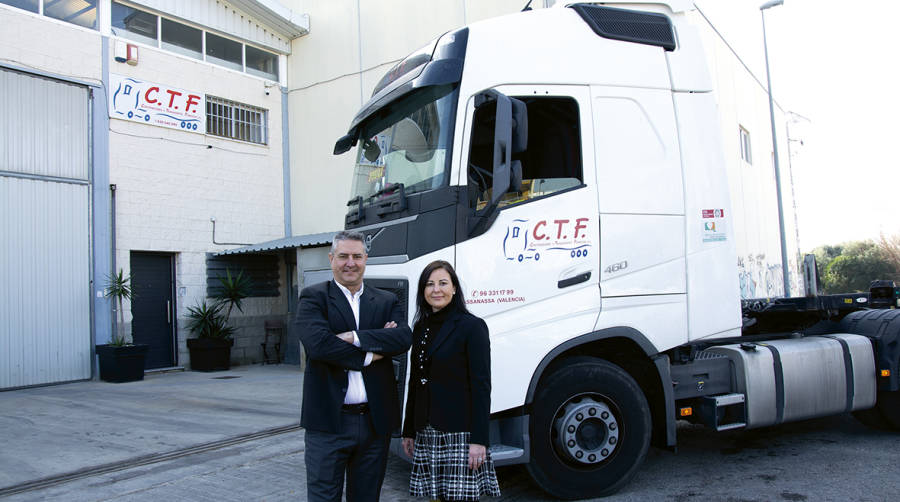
347	235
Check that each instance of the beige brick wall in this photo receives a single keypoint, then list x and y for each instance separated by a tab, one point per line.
39	43
169	183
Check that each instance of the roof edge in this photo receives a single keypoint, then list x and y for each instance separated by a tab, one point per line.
295	241
275	14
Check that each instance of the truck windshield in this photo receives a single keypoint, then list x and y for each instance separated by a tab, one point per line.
408	142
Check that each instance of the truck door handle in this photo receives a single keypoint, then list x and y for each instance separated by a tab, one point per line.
168	312
571	281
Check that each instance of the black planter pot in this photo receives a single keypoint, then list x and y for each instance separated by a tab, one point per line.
122	363
210	354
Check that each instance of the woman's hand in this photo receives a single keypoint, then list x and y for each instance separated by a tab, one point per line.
408	446
477	455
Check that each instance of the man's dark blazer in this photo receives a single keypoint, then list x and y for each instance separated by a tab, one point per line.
322	313
459	379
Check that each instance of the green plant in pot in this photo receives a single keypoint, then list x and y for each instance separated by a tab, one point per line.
121	360
211	348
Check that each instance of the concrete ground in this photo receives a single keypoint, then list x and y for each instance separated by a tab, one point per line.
50	431
232	436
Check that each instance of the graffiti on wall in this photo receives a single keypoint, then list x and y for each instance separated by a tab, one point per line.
759	278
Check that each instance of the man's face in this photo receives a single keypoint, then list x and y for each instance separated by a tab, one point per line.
348	263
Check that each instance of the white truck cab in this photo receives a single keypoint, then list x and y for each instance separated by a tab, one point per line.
568	162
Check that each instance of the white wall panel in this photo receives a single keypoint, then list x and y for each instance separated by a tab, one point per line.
43	127
44	291
221	17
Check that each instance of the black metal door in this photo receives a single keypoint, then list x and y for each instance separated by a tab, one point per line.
152	307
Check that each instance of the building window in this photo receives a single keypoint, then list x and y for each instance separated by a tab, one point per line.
234	120
79	12
261	63
29	5
182	39
147	28
128	22
745	146
224	52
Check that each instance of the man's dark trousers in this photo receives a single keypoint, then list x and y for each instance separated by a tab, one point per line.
339	441
358	448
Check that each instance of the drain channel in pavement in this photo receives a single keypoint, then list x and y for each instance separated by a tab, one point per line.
155	458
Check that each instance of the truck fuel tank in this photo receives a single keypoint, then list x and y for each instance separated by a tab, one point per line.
799	378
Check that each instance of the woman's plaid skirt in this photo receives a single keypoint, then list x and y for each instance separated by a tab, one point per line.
441	468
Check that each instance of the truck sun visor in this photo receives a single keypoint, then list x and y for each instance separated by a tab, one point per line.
647	28
415	61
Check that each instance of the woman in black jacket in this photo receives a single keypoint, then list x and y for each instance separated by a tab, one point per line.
448	401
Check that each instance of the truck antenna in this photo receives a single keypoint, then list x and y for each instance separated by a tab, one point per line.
527	6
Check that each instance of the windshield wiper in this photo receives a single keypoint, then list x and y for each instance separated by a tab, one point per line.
354	217
387	189
392	199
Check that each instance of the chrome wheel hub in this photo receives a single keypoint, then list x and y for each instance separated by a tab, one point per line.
587	431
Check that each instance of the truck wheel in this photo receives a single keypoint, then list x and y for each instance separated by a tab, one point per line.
889	406
590	430
872	418
886	413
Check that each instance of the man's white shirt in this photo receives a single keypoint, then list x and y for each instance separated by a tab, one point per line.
356	388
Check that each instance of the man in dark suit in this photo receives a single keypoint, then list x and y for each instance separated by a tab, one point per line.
350	403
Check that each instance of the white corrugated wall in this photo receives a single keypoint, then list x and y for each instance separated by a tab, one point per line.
45	332
221	17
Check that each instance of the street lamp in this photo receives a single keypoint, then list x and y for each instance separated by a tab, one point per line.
784	261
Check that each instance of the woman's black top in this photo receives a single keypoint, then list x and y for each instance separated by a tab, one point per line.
450	375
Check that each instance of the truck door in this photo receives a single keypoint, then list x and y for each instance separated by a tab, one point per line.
537	263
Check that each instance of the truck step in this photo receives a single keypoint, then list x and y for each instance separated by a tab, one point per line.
724	412
501	453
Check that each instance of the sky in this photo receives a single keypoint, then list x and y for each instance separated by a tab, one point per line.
834	63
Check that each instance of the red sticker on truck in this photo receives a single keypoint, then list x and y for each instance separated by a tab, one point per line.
713	225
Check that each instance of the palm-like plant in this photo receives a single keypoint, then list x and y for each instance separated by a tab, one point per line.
206	321
119	288
210	320
233	290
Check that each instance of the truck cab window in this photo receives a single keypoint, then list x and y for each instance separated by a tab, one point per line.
550	164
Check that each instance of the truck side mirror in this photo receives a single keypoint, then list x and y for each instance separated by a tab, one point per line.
519	125
510	136
344	144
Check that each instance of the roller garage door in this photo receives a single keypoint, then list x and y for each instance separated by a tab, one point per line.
45	303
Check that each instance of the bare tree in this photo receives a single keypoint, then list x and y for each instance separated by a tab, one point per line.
890	246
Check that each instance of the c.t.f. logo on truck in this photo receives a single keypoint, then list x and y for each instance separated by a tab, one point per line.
524	241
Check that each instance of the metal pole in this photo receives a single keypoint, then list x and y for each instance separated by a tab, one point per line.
784	261
793	120
112	255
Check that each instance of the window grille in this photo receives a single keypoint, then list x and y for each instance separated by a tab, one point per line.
233	120
261	270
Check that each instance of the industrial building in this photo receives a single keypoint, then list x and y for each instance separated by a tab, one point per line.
176	139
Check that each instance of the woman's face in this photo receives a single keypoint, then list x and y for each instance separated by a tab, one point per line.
439	289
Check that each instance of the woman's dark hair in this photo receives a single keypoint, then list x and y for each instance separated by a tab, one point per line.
423	309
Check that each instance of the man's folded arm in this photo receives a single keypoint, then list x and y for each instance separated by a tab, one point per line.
388	341
320	342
